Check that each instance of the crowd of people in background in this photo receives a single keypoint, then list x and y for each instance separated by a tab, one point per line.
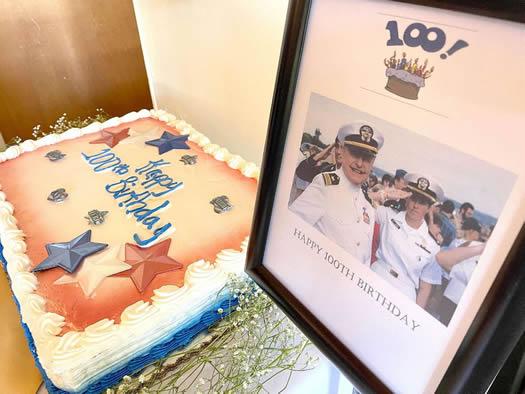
336	191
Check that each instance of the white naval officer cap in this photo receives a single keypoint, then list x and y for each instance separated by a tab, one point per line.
362	135
425	186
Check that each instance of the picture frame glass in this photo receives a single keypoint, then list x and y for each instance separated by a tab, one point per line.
432	98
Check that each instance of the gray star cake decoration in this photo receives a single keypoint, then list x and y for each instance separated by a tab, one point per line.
69	255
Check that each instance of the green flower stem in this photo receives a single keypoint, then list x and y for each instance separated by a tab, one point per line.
241	353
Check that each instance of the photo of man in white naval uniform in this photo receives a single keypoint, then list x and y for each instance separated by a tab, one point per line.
334	202
406	252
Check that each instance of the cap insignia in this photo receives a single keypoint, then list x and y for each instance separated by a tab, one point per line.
423	184
366	133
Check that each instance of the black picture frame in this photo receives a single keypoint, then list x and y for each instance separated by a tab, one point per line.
500	321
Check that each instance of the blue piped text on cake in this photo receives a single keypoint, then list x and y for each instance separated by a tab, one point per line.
105	160
154	176
134	192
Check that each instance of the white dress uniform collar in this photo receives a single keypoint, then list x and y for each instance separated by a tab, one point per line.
422	229
345	183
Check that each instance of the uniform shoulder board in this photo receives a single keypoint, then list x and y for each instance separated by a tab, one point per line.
330	178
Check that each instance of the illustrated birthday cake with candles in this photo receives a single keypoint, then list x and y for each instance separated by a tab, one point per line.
406	76
118	240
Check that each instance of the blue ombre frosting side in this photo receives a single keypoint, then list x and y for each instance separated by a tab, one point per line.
176	340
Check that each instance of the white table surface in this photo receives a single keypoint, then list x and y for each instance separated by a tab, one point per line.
324	379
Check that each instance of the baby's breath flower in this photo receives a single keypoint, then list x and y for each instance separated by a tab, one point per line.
62	124
251	340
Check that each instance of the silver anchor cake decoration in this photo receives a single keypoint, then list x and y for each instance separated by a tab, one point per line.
221	204
58	195
96	217
55	155
189	159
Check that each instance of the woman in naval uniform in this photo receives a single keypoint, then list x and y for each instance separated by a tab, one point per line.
406	252
334	202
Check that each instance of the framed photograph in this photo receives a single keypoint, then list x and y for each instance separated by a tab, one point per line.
390	218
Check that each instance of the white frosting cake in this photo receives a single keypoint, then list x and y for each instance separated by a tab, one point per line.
105	317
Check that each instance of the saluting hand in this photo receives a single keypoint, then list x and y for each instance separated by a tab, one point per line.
321	156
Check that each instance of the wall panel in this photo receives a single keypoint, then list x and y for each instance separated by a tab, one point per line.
68	56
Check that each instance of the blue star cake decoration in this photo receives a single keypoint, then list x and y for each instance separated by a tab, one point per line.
69	255
168	141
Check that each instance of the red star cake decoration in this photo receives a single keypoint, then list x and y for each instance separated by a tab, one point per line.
111	138
147	263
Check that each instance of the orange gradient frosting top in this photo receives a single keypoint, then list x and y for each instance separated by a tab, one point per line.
196	231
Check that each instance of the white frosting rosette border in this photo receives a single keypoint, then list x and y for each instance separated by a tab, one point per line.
76	359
